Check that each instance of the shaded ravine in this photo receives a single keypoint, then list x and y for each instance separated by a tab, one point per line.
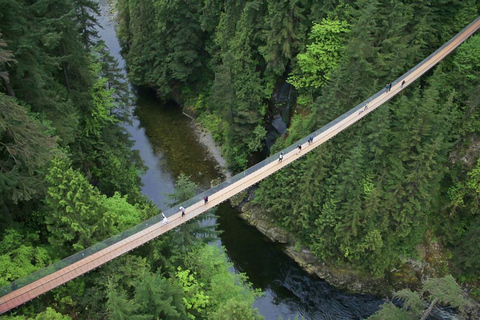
168	146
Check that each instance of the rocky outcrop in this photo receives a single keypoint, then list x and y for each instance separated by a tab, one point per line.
253	215
466	152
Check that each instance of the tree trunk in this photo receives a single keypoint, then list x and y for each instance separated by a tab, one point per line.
427	312
8	87
67	81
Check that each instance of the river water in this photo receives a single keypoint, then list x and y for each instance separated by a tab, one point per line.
168	145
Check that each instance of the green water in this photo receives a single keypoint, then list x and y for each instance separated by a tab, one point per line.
172	135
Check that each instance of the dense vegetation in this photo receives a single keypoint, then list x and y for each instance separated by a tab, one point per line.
61	151
407	175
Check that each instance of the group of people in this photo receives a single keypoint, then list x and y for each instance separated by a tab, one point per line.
182	210
299	148
388	86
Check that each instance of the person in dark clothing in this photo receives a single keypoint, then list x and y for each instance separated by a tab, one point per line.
388	87
299	147
205	200
310	140
403	83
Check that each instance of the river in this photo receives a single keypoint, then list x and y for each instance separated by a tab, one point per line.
168	145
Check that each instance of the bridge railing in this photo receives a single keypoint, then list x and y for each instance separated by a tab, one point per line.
194	200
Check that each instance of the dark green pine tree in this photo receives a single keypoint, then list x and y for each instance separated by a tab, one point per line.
119	307
26	147
357	74
116	80
397	50
159	297
244	115
143	43
6	58
285	25
87	12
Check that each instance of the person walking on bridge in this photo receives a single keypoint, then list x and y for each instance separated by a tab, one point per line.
388	87
310	140
280	157
183	210
164	220
205	199
299	147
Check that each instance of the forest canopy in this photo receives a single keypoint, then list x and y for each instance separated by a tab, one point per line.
403	178
70	179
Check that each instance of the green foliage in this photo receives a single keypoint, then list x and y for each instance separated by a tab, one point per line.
48	314
77	214
321	56
119	307
285	24
389	311
465	194
184	189
102	105
447	291
368	197
170	55
21	255
412	302
26	147
444	290
195	299
210	266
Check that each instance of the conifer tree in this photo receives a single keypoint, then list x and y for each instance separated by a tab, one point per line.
87	12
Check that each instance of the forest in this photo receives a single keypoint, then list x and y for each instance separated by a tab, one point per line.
405	178
381	193
62	100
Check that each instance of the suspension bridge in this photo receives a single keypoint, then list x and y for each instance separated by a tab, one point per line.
44	280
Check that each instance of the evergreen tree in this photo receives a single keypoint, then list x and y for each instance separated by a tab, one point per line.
6	57
442	290
86	15
284	25
159	297
26	147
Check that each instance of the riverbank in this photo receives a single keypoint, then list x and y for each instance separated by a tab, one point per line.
432	261
343	278
206	138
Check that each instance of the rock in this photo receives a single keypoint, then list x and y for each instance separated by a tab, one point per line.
238	199
467	152
340	277
263	222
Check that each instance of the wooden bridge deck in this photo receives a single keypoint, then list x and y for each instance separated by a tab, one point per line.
76	269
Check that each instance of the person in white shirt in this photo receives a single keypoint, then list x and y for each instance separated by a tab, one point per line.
165	220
